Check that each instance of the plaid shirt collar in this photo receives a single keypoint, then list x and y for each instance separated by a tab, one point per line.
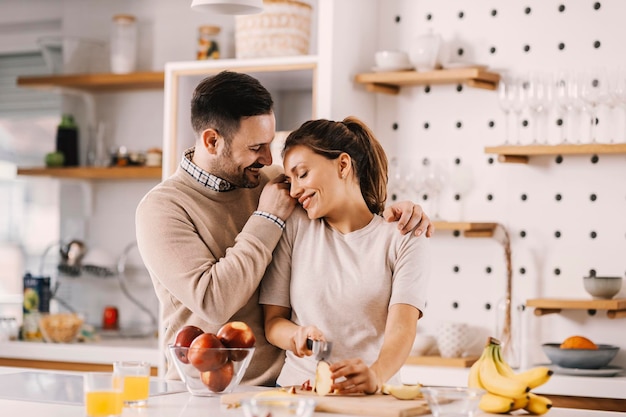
208	180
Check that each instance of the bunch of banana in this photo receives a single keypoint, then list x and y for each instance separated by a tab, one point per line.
507	390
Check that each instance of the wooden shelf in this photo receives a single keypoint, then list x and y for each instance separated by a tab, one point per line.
521	153
616	308
96	82
439	361
390	82
95	173
469	229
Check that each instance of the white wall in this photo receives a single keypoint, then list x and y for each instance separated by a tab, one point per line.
532	223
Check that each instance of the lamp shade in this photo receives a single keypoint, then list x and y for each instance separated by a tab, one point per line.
228	6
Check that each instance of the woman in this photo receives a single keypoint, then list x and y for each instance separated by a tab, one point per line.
343	274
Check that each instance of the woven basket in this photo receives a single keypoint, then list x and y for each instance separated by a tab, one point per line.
283	29
60	328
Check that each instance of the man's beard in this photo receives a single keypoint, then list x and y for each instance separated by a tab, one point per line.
229	172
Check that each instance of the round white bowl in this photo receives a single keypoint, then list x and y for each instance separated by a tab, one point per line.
602	288
392	60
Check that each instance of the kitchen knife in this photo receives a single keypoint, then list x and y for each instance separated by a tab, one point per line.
321	348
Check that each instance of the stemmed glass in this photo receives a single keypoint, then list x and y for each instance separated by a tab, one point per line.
519	95
566	97
396	184
435	179
506	95
594	92
539	99
617	91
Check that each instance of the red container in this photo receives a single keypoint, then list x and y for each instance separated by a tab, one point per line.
110	318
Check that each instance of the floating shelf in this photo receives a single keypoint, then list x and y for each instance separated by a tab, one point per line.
616	308
95	173
390	82
469	229
96	82
521	153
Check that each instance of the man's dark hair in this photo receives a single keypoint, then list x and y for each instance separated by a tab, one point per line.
222	100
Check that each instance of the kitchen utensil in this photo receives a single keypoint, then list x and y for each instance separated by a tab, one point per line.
321	348
580	358
452	401
377	405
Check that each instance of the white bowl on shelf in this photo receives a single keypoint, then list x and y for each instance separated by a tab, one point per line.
602	288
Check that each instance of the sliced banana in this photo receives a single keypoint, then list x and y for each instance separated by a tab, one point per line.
403	392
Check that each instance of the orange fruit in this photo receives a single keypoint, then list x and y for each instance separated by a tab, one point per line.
578	342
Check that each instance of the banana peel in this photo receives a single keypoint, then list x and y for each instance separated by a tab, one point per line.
403	392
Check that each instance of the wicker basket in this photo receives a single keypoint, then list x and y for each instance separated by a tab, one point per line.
283	29
60	328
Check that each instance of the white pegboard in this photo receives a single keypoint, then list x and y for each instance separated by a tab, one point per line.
561	35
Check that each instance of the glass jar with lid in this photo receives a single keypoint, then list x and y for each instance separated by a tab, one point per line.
123	44
208	48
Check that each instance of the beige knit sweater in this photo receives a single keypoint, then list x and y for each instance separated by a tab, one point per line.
206	255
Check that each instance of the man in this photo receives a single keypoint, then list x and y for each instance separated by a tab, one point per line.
206	234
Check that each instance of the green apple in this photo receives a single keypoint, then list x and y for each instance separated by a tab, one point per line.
55	159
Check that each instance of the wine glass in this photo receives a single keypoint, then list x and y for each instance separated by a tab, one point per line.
396	184
506	95
617	91
435	179
566	98
539	99
519	89
594	92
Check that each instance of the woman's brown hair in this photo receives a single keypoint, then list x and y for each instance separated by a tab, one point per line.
369	161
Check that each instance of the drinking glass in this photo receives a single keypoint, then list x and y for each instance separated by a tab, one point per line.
617	91
103	394
566	98
506	95
136	377
594	92
539	100
519	95
435	179
397	180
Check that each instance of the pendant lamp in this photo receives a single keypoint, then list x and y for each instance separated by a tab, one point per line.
233	7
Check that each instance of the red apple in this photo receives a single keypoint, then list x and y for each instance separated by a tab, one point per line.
205	354
219	379
184	337
237	334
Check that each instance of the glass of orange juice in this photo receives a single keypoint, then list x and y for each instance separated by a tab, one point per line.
103	394
136	377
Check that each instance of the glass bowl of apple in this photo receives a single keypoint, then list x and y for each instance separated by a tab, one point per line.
212	364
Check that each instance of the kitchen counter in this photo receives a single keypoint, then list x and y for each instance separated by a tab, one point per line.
580	386
185	405
102	352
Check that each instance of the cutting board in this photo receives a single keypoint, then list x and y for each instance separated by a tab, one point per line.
363	405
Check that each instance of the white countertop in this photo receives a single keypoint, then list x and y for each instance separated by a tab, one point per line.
186	405
105	351
580	386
